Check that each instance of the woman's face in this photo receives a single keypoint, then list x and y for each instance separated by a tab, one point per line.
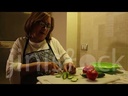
41	30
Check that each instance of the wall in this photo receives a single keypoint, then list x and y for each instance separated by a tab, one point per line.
11	27
106	35
72	41
60	27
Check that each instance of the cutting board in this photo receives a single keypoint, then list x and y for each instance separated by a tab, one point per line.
51	79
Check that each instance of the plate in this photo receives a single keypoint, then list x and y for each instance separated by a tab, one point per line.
106	66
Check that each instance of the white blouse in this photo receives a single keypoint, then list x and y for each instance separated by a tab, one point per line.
15	57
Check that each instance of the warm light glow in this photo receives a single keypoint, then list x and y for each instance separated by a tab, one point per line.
27	12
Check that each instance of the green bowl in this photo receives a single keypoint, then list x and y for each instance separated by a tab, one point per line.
106	66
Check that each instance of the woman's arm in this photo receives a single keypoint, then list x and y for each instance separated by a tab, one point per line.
60	52
14	66
63	56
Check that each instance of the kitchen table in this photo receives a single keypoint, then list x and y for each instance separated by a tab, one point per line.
120	77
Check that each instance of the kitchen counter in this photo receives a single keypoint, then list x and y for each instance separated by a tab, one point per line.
120	77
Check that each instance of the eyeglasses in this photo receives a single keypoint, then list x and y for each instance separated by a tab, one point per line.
42	24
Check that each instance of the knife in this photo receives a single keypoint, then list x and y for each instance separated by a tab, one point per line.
59	70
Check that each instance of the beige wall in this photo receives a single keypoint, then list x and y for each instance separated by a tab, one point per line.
11	27
106	33
72	35
60	27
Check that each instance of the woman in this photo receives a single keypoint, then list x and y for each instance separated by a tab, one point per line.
37	53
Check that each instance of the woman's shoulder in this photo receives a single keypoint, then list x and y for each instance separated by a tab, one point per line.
54	39
21	39
19	42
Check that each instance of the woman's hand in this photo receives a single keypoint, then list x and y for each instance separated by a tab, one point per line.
70	67
48	67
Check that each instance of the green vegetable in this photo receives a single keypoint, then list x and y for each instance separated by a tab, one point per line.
70	77
65	75
100	74
58	75
74	79
84	75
